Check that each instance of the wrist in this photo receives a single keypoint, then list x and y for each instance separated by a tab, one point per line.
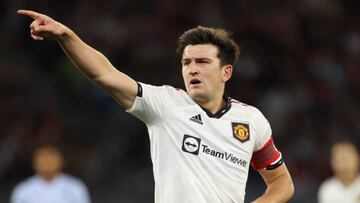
65	34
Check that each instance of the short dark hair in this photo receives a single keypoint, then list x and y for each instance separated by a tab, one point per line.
354	141
229	51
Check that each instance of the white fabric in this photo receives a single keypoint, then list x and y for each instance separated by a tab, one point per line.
334	191
218	173
62	189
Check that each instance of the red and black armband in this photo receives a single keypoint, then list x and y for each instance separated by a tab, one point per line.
267	157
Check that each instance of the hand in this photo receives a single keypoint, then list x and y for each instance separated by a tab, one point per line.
43	26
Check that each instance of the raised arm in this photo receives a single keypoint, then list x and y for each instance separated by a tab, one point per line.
90	61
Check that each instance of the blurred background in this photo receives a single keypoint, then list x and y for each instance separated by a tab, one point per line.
299	64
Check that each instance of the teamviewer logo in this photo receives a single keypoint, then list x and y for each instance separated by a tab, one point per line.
191	144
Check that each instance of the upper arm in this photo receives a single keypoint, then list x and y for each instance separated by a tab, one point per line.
321	194
267	160
16	195
120	86
152	102
83	195
265	154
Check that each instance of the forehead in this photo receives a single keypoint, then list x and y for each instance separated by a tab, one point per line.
344	148
46	152
200	51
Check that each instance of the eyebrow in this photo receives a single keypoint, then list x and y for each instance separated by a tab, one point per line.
197	59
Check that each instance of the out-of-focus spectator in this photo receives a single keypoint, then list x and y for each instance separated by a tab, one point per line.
344	186
50	184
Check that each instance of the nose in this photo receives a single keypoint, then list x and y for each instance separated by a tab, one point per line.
193	69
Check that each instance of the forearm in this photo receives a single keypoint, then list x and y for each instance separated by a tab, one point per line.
280	187
88	60
279	191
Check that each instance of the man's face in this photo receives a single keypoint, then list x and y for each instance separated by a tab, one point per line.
203	75
344	160
47	163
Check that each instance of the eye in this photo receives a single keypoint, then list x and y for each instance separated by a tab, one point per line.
202	61
185	62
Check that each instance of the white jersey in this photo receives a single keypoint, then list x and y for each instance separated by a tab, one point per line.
62	189
334	191
199	157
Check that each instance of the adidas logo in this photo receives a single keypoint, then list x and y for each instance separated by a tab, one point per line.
197	119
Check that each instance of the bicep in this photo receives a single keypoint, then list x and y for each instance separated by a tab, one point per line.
120	86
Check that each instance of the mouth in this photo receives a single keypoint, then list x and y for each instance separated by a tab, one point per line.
195	81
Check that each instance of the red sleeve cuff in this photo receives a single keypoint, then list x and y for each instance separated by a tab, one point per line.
265	156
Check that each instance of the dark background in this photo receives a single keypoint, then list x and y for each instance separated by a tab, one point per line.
299	65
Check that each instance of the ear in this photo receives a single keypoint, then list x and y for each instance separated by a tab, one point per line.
227	72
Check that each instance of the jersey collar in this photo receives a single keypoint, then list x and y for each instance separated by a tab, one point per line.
221	111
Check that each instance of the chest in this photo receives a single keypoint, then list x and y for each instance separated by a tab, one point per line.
338	193
229	139
49	193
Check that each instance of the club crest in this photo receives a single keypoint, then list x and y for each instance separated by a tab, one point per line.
241	131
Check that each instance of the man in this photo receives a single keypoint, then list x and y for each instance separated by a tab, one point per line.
344	187
50	184
201	141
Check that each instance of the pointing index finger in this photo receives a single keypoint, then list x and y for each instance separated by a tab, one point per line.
29	13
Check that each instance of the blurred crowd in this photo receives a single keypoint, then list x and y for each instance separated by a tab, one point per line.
299	64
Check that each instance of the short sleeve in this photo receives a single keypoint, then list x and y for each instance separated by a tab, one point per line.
16	195
265	154
82	193
322	197
150	103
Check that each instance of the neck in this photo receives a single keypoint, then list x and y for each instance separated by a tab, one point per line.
48	177
348	179
214	105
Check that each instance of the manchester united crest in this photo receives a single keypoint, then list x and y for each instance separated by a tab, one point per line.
241	131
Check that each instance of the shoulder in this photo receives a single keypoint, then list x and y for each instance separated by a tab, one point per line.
329	184
357	182
330	188
170	93
76	185
174	90
251	112
166	89
26	184
69	179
